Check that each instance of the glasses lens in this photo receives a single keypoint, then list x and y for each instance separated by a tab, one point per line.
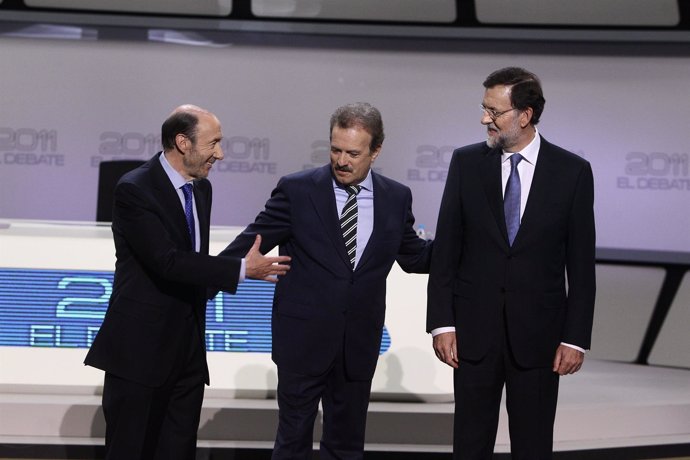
490	112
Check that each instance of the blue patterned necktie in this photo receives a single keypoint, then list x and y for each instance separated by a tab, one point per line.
348	222
511	199
189	212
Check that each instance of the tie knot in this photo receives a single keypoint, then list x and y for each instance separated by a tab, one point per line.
515	159
187	191
353	189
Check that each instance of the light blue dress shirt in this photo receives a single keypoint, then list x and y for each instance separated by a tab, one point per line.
365	211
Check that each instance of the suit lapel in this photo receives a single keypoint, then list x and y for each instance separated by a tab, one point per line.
490	172
538	192
380	196
323	200
170	201
203	213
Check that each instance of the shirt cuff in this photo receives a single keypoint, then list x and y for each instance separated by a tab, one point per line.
441	330
574	346
243	270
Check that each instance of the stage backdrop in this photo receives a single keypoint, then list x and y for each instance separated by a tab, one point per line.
66	105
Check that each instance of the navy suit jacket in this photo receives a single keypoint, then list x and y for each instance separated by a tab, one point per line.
321	306
158	301
477	281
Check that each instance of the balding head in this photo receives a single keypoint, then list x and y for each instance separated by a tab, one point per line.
183	120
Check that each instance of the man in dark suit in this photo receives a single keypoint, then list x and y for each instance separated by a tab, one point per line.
328	311
151	342
511	234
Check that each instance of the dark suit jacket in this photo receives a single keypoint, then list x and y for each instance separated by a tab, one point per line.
476	276
321	306
160	282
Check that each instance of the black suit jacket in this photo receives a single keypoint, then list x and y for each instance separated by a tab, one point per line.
476	276
160	282
322	306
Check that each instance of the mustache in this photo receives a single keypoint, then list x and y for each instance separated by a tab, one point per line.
343	168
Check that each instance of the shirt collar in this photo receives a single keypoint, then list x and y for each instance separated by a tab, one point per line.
175	177
530	152
366	184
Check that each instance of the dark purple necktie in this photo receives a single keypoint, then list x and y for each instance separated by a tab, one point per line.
511	199
189	212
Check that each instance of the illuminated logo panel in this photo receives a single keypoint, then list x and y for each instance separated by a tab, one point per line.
64	309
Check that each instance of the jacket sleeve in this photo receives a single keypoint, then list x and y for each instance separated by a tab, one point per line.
446	252
144	225
273	224
580	263
414	255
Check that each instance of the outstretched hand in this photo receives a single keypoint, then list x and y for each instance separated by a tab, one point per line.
260	267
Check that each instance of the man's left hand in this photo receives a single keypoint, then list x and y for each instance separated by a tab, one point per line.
568	360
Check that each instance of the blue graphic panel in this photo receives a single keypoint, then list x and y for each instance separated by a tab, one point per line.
65	308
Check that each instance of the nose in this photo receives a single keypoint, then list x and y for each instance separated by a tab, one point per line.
486	119
341	159
219	155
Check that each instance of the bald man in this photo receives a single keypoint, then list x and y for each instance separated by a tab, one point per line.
151	343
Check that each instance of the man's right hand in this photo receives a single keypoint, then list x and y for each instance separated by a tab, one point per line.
260	267
446	348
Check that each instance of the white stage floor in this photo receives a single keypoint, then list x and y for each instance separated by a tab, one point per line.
606	405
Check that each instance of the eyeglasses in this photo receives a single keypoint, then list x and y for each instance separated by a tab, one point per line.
492	113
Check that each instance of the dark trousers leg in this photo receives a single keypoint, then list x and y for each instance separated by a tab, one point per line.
345	403
531	397
132	422
144	423
478	388
298	404
177	440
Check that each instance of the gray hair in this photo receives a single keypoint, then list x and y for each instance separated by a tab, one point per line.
362	115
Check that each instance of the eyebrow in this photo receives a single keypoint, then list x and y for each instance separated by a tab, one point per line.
335	147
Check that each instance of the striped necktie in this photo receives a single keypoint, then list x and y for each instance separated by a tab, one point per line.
348	222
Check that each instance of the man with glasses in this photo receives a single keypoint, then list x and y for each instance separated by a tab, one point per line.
516	225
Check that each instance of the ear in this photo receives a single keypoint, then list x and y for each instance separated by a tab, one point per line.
375	153
526	117
182	143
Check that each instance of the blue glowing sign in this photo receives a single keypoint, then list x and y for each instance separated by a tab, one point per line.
64	309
